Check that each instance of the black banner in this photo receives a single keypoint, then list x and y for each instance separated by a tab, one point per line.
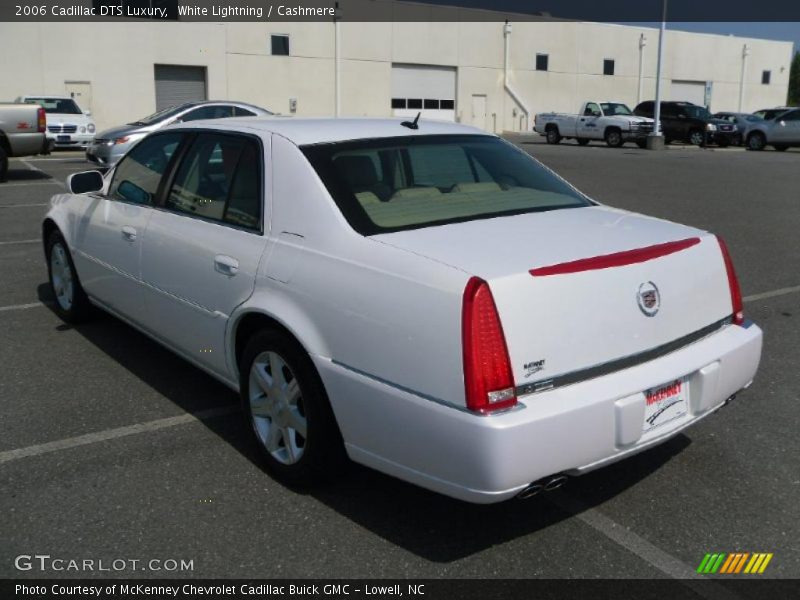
740	588
399	11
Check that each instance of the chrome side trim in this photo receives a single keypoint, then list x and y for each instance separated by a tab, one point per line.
620	363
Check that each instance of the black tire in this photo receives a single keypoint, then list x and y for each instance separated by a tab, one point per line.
781	147
552	135
582	141
696	137
756	141
642	144
3	165
614	137
78	309
323	452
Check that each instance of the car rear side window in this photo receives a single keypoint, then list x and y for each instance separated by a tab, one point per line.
137	176
209	112
393	184
219	180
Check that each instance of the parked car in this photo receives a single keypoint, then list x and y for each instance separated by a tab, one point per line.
22	133
744	123
687	122
424	297
67	125
770	113
110	145
781	132
610	121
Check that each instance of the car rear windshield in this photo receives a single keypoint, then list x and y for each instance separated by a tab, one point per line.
393	184
56	106
615	108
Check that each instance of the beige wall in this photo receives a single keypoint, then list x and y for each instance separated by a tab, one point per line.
118	59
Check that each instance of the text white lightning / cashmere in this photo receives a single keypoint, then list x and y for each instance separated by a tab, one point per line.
421	296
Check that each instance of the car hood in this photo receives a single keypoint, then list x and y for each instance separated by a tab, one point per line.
66	118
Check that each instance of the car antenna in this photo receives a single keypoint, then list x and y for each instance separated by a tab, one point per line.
412	124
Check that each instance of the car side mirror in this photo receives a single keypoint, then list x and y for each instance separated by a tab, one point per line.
88	113
133	193
595	113
87	181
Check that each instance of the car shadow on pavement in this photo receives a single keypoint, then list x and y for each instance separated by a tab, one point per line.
429	525
19	174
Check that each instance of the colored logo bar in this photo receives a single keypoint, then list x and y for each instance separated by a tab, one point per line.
735	563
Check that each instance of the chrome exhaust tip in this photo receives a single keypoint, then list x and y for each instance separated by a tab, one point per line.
555	482
530	491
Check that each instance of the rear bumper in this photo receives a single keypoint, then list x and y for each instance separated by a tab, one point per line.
573	429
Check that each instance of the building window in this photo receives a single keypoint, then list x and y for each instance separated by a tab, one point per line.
447	104
398	102
608	66
541	62
414	103
280	45
431	104
765	77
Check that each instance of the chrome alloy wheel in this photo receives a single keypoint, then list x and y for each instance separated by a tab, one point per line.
276	405
61	273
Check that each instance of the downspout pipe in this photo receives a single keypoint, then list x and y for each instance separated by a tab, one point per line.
506	84
337	83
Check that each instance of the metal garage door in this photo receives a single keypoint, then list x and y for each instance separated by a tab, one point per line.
689	91
422	88
177	84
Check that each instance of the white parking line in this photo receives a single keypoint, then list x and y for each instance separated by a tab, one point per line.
23	306
631	541
779	292
8	243
110	434
30	184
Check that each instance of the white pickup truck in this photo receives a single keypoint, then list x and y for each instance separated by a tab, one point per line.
610	121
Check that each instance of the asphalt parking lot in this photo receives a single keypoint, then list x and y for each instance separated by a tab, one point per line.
112	447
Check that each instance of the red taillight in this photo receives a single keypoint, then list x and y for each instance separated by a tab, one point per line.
42	120
733	284
488	380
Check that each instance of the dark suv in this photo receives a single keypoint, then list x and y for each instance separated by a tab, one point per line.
687	122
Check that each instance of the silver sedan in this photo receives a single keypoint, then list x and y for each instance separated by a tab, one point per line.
112	144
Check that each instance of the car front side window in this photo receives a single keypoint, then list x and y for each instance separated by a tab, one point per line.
137	176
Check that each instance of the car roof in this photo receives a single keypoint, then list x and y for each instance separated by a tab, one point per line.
308	130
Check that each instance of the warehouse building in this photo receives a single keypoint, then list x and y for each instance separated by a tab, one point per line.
482	73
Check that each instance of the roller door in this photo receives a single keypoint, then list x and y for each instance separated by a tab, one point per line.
428	89
177	84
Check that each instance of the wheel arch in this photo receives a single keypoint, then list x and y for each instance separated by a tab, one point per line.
265	312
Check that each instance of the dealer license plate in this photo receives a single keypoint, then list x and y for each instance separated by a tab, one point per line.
665	403
63	138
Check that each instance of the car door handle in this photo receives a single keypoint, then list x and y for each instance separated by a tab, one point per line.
129	233
226	265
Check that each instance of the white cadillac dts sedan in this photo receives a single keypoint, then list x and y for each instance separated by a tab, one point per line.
424	298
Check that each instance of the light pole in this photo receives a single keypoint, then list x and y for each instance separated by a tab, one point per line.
655	141
642	44
745	54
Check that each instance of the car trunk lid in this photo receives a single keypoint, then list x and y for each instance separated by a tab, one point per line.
580	288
